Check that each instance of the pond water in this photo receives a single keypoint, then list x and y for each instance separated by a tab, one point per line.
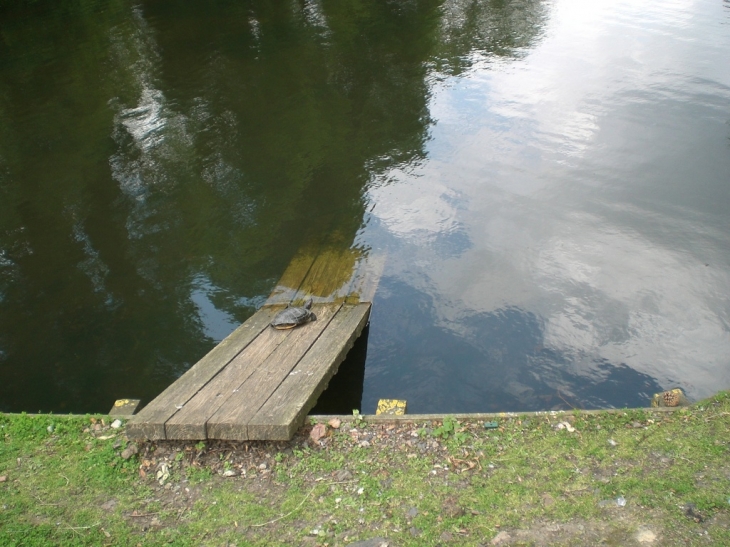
548	183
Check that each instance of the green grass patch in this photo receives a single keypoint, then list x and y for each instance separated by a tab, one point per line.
606	479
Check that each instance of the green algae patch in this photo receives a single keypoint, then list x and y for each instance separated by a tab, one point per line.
634	477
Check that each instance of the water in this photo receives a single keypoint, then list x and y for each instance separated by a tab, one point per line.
549	182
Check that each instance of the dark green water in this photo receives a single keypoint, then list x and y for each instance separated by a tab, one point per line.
550	183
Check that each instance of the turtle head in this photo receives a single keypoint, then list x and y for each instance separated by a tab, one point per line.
308	304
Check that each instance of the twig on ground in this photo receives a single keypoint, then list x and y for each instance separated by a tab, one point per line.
298	506
46	504
143	514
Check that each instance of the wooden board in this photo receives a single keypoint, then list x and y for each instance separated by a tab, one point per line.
189	422
293	276
150	422
236	390
366	278
285	411
229	421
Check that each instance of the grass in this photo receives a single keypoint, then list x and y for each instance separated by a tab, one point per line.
527	482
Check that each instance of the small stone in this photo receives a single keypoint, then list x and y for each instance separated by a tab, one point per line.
446	536
500	538
130	451
412	513
96	427
318	431
262	466
635	425
612	442
50	428
116	424
3	478
415	532
335	423
343	475
229	473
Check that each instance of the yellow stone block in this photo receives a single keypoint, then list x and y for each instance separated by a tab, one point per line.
395	407
124	407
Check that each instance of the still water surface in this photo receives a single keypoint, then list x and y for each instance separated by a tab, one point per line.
548	181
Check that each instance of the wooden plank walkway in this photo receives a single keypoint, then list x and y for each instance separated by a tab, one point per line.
260	383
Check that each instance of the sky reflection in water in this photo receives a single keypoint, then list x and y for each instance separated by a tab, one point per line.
548	180
570	226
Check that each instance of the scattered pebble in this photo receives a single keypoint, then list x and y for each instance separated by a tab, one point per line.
130	451
163	473
612	442
229	473
3	478
318	431
116	424
343	475
335	423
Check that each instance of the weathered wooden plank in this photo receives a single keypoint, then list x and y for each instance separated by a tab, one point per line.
366	278
329	277
294	275
149	423
230	420
189	422
287	408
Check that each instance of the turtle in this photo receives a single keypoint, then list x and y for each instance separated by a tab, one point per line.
291	317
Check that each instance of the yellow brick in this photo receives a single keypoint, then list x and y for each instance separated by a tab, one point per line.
391	406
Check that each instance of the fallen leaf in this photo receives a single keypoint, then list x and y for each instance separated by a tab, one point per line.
163	473
335	423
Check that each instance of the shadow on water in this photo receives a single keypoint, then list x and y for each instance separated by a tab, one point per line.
344	392
161	162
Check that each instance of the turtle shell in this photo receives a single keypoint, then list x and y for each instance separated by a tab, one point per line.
291	317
